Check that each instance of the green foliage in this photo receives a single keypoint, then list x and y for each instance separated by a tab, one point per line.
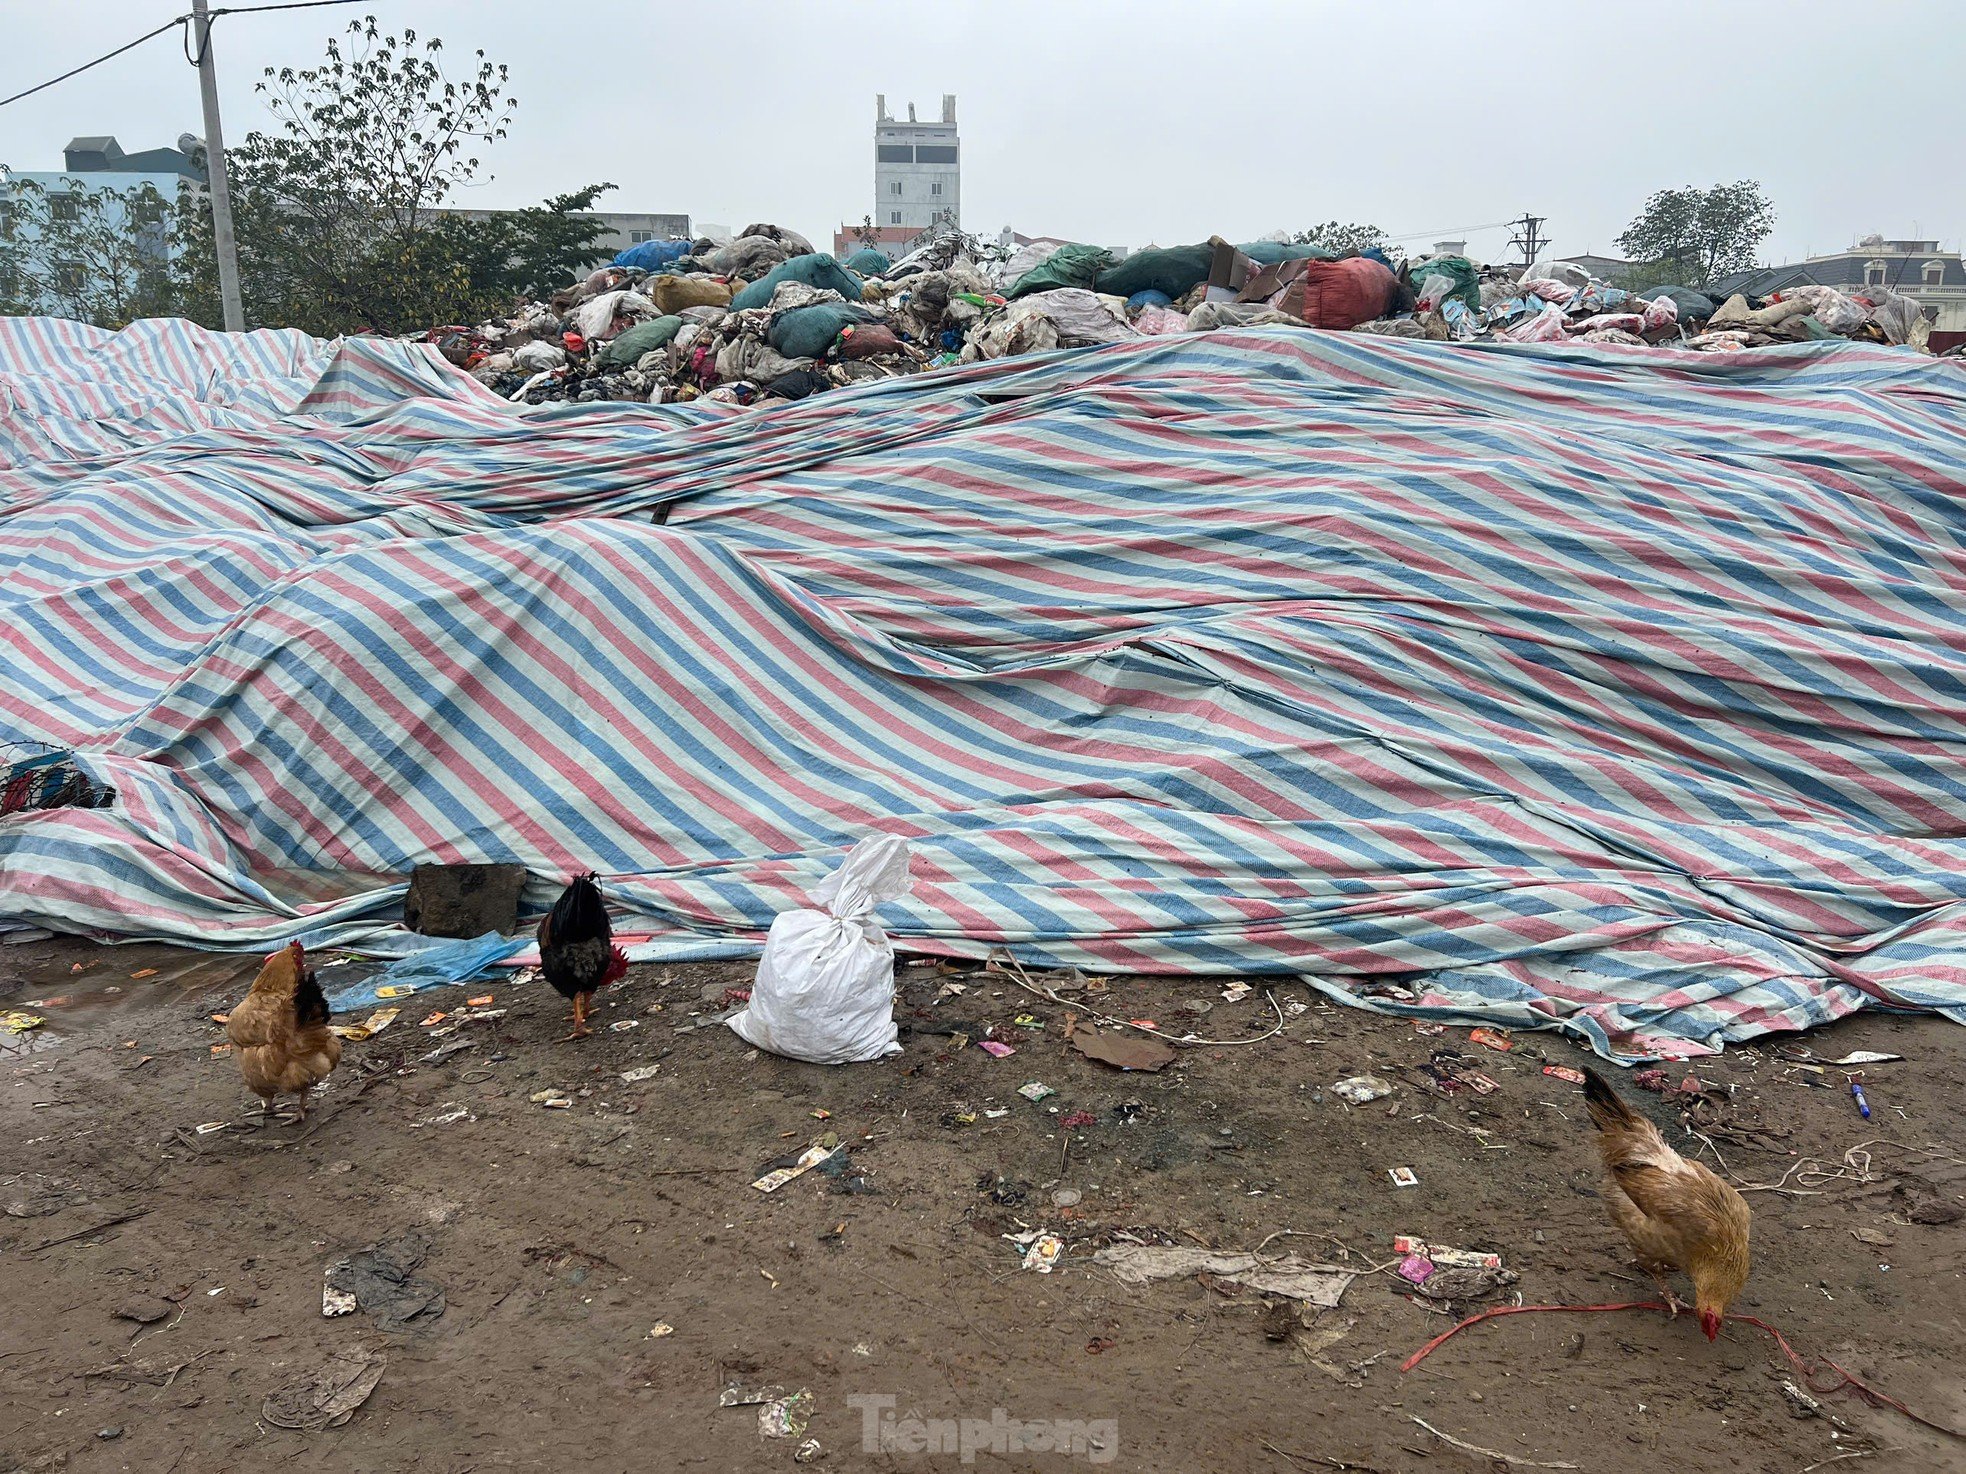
1341	239
1694	235
97	255
341	211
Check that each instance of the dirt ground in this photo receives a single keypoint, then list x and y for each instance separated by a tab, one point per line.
557	1242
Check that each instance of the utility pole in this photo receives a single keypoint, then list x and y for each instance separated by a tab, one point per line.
227	247
1528	237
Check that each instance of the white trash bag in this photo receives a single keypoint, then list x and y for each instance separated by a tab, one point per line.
825	986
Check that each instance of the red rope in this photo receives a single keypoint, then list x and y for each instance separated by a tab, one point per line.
1803	1369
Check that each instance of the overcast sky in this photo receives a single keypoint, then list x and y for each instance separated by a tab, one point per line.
1135	121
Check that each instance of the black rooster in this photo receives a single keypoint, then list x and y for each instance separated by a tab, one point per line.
576	948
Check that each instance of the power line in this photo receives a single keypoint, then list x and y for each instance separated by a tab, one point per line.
109	56
174	21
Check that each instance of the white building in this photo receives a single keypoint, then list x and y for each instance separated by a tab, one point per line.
917	169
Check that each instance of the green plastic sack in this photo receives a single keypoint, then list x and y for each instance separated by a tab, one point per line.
807	332
867	261
644	337
1175	270
1068	266
817	270
1275	253
1459	269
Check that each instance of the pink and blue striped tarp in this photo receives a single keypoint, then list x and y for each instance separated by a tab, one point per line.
1617	689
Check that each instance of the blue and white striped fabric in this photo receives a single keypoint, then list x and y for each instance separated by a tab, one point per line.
1619	689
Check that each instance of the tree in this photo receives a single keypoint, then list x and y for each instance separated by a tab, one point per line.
344	211
97	255
1341	239
1693	235
534	252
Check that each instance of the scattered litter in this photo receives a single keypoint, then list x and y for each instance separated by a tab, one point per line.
785	1417
1479	1083
640	1073
820	1115
998	1114
1564	1072
1492	1039
483	1000
381	1019
208	1127
1066	1197
19	1023
221	1049
660	1329
1360	1089
448	1112
1403	1176
1028	1021
1865	1057
996	1047
1863	1103
1236	992
326	1398
622	1026
553	1100
811	1157
336	1302
1042	1251
523	976
221	1018
808	1452
445	1050
736	1394
143	972
1438	1254
434	1019
393	990
383	1282
1873	1237
1122	1051
1036	1091
1077	1119
1286	1275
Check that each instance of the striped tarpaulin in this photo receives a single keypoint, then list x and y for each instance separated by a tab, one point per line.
1622	688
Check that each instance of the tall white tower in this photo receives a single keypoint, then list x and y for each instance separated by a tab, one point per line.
917	169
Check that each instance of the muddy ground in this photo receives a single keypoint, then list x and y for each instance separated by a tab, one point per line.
562	1239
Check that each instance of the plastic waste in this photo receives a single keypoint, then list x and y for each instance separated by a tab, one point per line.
825	986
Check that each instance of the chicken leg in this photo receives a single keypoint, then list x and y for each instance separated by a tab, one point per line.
580	1029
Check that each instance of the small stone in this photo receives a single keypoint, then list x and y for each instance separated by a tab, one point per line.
109	1434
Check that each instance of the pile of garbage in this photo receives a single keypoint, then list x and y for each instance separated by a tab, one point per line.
766	319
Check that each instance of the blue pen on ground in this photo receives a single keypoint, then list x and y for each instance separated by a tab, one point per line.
1857	1089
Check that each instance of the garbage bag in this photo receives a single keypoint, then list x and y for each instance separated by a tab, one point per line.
644	337
1693	306
1900	318
1068	266
1156	321
676	294
653	256
1080	317
1209	316
1545	327
798	384
1325	294
1275	253
807	332
1029	258
816	269
825	986
1446	277
868	340
794	243
1840	314
1175	270
536	357
867	261
1141	301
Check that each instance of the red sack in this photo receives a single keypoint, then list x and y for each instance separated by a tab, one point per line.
1326	294
868	340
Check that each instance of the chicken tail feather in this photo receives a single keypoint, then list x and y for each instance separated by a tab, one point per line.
1608	1109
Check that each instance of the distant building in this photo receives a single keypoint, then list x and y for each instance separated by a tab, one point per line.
1604	268
625	228
1934	279
95	164
917	181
